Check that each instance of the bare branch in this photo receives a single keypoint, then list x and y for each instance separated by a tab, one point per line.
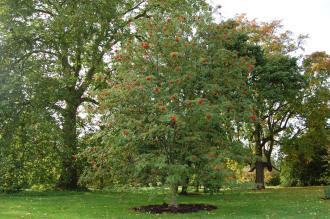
134	8
44	12
58	109
89	100
143	14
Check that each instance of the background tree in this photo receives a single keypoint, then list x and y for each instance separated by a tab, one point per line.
276	85
28	135
306	154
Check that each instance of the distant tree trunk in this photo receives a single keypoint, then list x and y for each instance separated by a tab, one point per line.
197	188
184	190
101	183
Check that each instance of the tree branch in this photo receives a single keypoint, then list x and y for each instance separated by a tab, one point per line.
89	100
133	8
58	109
28	54
45	12
285	120
78	61
276	168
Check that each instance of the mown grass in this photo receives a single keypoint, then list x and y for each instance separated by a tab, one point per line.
271	203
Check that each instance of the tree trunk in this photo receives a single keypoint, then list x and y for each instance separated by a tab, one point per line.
260	176
174	202
69	175
101	183
197	188
184	190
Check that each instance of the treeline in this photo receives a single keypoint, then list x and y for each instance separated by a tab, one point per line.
152	93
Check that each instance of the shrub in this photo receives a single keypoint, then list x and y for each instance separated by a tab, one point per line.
272	178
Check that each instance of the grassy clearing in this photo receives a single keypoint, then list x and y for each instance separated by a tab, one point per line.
271	203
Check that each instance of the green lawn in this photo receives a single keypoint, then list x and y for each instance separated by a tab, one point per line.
271	203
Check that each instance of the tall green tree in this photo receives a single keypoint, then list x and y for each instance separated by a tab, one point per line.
306	159
28	135
70	41
276	85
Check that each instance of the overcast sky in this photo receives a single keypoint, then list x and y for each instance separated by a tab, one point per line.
310	17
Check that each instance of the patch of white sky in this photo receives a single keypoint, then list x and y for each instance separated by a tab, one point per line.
299	16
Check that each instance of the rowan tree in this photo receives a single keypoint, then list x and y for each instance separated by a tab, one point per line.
173	99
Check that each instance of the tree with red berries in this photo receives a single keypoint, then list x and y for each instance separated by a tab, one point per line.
172	106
